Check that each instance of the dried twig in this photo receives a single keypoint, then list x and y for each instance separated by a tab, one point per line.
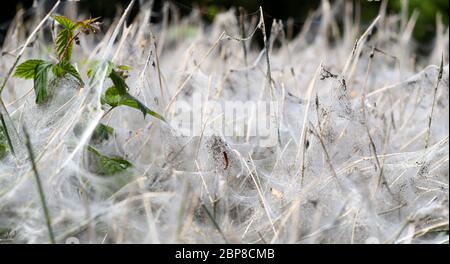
430	119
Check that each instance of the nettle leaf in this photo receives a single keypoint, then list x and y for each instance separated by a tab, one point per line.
65	67
117	95
27	69
41	82
66	37
118	82
58	71
64	44
113	97
70	69
66	22
110	165
135	103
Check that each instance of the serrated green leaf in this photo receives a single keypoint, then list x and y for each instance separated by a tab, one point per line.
114	98
110	165
58	71
65	67
27	69
66	22
118	82
73	71
118	95
135	103
41	82
64	44
132	102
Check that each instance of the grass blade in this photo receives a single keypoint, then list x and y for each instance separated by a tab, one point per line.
8	138
39	186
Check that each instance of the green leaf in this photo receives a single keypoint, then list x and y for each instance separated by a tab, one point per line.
64	44
135	103
66	22
58	71
3	148
5	232
132	102
27	69
102	132
109	68
41	82
90	73
5	139
65	67
118	95
114	98
118	82
110	165
3	143
70	69
124	67
93	68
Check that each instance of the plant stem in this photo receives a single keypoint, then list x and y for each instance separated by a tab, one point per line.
107	112
244	47
8	138
40	189
381	178
325	151
215	223
66	48
430	119
266	51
